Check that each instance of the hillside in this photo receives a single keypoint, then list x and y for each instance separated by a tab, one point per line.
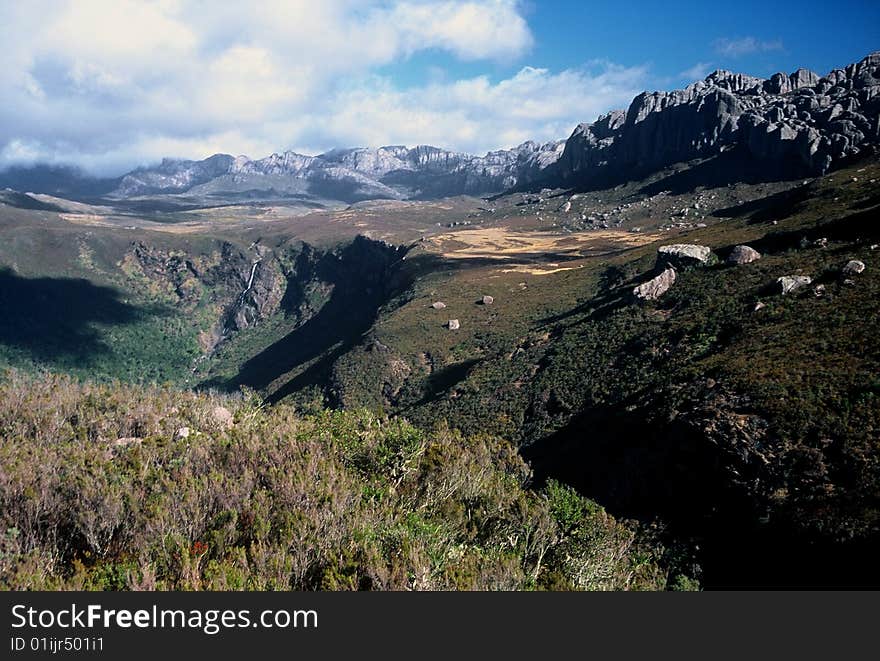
162	490
619	321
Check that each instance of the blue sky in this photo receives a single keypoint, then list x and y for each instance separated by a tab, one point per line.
675	38
110	84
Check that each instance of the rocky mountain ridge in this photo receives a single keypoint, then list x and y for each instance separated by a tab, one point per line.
795	124
395	172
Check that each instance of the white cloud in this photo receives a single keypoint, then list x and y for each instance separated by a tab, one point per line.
109	84
697	72
476	114
745	46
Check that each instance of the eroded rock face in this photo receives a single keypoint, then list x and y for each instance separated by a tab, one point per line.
682	255
743	255
797	118
656	287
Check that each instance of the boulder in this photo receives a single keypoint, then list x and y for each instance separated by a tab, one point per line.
656	287
853	267
453	324
181	433
788	284
682	255
222	416
438	305
743	255
487	300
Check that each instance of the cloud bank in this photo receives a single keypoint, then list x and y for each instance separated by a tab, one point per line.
111	84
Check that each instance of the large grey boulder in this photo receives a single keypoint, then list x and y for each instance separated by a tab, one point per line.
682	255
743	255
789	284
453	324
655	287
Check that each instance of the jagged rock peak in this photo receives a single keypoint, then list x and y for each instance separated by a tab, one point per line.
799	120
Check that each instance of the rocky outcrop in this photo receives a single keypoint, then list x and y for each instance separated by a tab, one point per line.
683	255
798	119
743	255
656	287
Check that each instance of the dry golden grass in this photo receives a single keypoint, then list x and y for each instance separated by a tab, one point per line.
504	243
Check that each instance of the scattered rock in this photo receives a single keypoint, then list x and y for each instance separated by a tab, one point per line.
487	300
453	324
788	284
127	441
821	243
223	417
684	255
656	287
849	282
743	255
853	267
819	291
760	305
183	432
438	305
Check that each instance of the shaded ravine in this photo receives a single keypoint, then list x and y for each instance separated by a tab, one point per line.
638	469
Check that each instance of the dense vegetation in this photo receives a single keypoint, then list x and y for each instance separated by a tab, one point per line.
100	488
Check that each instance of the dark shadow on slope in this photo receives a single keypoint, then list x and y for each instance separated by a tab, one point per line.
648	471
52	318
24	201
615	292
777	206
861	225
441	381
733	166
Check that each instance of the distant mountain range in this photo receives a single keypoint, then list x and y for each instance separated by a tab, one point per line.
791	124
393	172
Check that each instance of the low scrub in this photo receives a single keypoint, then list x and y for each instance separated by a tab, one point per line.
118	487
